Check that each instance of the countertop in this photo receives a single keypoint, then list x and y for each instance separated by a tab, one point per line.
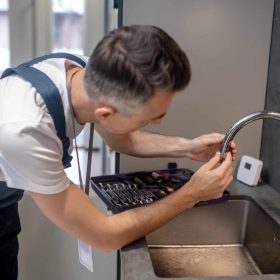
135	259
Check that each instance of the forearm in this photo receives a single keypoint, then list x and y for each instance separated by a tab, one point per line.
138	222
147	144
75	213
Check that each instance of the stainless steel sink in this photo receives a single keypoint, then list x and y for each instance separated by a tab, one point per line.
235	238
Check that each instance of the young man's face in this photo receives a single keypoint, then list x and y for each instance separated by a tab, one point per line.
151	113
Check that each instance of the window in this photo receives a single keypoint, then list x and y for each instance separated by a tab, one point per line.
4	42
68	26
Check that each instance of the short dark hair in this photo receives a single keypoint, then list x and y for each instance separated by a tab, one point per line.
132	63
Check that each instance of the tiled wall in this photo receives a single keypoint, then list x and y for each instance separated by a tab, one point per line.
270	147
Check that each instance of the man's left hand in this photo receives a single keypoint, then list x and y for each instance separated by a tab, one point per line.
204	147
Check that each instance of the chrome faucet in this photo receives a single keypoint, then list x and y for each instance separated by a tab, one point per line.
243	122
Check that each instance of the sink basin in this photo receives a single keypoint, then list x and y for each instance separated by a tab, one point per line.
234	238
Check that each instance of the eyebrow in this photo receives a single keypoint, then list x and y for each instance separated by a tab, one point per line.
160	117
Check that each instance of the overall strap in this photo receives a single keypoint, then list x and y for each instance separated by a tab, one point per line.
49	93
69	56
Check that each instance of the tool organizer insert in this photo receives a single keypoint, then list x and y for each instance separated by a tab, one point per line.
124	191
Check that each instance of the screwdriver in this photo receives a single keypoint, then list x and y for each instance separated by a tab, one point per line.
139	182
157	177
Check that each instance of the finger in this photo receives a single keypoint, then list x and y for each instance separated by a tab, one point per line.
211	163
233	151
234	156
227	163
233	145
228	175
215	138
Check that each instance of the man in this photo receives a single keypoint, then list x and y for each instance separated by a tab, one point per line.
129	82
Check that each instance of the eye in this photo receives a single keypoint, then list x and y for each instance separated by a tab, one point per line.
159	117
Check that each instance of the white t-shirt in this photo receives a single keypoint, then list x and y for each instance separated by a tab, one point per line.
30	150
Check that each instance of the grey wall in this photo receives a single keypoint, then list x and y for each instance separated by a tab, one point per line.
270	151
228	45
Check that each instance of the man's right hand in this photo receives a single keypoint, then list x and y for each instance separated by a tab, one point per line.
211	179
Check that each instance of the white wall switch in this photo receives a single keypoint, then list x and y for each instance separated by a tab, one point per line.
249	170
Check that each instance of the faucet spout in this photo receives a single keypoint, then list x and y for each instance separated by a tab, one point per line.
243	122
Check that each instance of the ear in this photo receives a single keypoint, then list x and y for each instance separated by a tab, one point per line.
104	112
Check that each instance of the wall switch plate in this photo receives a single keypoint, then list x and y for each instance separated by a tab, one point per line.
249	170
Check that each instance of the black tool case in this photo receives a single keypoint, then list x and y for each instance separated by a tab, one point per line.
125	191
